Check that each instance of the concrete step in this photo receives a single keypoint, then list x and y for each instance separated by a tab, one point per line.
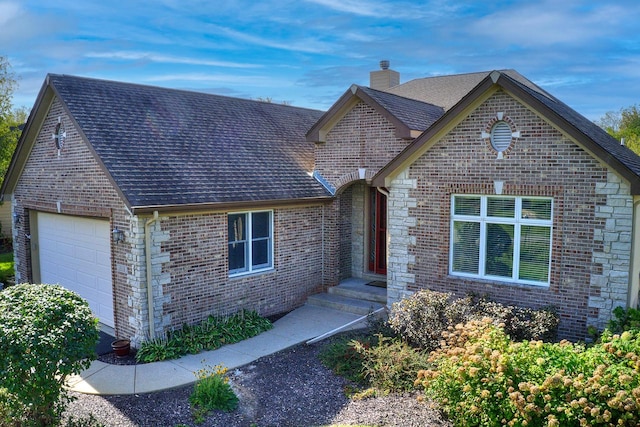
360	291
342	303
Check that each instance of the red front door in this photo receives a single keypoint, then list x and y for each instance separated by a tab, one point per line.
377	232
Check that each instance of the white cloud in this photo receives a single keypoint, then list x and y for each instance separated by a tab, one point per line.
548	23
148	56
9	11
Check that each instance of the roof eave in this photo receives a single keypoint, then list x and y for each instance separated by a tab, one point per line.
502	80
380	179
227	206
32	128
575	133
348	100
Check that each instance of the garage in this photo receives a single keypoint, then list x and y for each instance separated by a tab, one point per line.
75	252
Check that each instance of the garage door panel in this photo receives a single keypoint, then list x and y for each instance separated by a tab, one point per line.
75	253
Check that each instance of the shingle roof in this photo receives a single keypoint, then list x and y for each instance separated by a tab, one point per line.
416	115
595	139
447	91
598	135
170	147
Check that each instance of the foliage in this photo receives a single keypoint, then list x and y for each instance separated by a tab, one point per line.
482	378
46	333
208	335
6	267
10	119
342	357
624	320
421	318
212	391
624	124
391	365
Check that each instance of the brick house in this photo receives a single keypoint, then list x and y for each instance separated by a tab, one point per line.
161	206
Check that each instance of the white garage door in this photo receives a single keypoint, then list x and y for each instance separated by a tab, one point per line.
75	252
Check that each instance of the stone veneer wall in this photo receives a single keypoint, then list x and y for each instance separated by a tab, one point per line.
400	260
610	279
358	229
591	221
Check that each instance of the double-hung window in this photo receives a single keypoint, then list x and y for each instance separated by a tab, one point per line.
501	238
250	242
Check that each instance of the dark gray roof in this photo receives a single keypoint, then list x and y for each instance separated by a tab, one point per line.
167	147
416	115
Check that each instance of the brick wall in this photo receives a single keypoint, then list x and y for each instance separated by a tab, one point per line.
541	162
200	286
362	139
72	183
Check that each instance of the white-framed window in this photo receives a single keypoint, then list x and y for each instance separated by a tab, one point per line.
501	238
250	242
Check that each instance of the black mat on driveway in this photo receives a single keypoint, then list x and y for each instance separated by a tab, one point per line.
104	345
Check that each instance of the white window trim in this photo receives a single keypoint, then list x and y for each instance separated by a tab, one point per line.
249	261
483	219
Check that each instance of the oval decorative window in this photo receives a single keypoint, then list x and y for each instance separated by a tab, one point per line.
60	135
501	136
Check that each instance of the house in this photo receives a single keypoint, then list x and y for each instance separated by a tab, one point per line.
162	206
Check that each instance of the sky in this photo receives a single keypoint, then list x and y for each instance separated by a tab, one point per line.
308	52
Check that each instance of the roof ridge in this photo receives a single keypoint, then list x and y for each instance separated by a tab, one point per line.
175	90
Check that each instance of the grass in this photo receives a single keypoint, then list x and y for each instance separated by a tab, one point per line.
6	266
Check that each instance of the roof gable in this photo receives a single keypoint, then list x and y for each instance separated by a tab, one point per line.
409	116
167	148
604	147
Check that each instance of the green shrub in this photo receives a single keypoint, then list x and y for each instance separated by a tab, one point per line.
624	320
391	365
6	267
209	335
342	357
482	378
46	333
212	391
520	323
422	318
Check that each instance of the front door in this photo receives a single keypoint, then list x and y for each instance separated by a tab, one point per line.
377	232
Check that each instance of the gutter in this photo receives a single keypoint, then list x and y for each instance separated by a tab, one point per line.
147	253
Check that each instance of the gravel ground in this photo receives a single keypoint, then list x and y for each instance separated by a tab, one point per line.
289	388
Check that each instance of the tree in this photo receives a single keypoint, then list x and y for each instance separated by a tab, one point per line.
10	119
623	124
46	333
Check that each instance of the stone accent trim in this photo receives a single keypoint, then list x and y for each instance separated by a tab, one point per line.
400	259
137	278
609	285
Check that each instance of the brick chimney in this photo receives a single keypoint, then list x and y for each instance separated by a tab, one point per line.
384	78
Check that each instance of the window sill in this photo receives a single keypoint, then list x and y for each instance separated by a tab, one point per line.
497	282
251	273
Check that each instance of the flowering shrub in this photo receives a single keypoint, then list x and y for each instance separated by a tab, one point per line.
390	364
482	378
421	318
212	391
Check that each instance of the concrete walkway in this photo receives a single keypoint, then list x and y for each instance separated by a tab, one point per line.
299	326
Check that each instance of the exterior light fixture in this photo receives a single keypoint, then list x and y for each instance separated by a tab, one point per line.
16	218
118	235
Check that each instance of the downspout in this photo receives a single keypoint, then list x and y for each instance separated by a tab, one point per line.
150	305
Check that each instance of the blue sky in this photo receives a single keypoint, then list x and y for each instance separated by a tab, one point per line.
308	52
